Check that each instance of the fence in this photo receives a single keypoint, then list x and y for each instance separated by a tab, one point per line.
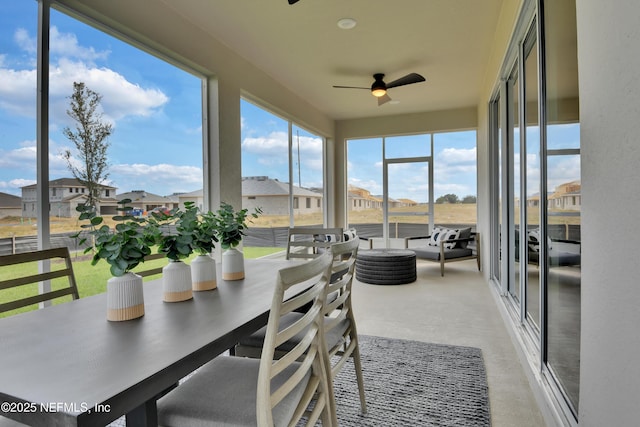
277	236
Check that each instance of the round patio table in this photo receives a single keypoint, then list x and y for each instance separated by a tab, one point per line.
386	266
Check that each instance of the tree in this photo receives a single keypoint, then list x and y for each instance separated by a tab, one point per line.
469	199
447	198
90	138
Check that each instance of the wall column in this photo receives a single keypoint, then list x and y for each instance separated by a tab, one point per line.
609	78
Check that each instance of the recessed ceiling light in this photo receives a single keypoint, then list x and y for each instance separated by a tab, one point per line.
347	23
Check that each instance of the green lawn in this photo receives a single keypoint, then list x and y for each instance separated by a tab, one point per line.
91	280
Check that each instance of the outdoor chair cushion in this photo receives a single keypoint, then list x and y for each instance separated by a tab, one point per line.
234	404
444	234
433	252
437	235
557	258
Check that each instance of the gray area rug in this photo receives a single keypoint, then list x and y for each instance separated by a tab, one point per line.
412	383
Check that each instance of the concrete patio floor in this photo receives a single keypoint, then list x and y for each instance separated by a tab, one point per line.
457	309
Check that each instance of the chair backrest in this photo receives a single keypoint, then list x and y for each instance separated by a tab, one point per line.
311	371
311	242
24	278
144	271
343	270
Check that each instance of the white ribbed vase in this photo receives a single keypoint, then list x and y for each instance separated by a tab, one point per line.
232	264
125	298
176	282
203	273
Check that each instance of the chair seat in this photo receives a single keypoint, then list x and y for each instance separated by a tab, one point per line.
433	252
333	337
6	422
198	401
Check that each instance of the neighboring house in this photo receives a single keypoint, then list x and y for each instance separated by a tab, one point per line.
10	205
272	196
533	201
361	199
408	202
566	197
196	197
144	202
65	194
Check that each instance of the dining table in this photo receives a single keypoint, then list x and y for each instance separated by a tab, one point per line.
67	365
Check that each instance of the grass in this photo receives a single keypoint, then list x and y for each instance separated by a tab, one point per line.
91	280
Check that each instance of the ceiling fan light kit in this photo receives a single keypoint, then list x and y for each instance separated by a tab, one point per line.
379	87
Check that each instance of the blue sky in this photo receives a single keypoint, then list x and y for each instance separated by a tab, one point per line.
155	110
154	107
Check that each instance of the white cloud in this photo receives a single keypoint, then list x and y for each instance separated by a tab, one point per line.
275	144
452	161
66	45
13	186
371	185
120	97
60	44
24	41
162	179
460	190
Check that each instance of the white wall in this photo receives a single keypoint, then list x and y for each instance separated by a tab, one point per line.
609	76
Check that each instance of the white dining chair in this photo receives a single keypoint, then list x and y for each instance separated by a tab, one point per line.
266	392
341	335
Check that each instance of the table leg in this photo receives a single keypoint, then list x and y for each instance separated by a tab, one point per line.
144	415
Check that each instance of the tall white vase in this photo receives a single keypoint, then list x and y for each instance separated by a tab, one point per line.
232	264
125	297
203	273
176	282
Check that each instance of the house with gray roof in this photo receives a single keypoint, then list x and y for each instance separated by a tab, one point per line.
272	196
65	194
10	205
196	197
145	201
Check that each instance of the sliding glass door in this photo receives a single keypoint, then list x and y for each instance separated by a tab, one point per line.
535	137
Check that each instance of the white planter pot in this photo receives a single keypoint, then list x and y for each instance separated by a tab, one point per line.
125	297
176	282
203	273
232	264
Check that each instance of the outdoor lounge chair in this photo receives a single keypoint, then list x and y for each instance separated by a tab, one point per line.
561	253
449	245
311	242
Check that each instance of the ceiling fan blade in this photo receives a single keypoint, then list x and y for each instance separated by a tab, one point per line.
352	87
293	1
383	99
406	80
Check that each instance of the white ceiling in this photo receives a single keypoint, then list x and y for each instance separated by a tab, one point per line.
446	41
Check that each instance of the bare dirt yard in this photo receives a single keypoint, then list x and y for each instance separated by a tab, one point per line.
444	213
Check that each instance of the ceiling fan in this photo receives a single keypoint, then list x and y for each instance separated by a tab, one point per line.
379	87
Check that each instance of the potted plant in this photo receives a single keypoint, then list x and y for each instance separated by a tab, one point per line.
203	232
123	248
173	233
230	228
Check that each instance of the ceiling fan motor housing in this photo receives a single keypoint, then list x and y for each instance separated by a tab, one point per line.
378	88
